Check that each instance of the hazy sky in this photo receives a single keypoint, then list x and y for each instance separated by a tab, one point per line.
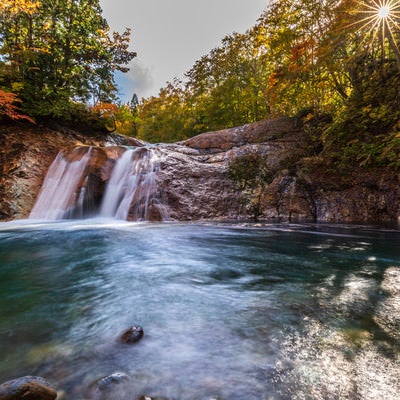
170	35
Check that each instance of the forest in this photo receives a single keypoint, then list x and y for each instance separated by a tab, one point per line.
334	65
58	59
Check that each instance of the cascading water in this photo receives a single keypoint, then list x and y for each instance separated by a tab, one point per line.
132	191
60	194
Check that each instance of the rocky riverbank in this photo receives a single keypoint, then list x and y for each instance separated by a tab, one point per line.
26	152
267	170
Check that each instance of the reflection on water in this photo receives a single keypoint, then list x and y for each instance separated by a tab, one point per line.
229	312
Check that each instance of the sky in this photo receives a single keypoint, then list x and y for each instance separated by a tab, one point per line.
170	35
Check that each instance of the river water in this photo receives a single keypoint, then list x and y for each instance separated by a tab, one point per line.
230	312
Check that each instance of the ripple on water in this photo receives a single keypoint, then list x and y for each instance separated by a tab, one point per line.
280	312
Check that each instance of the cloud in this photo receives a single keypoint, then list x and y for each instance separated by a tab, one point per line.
138	80
170	35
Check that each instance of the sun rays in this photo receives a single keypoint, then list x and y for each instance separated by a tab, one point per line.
380	20
379	17
380	12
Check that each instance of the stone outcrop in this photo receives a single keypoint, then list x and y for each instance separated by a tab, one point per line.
258	132
26	152
361	195
195	176
197	184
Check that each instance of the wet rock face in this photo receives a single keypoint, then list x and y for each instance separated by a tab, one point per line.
196	187
194	180
27	388
23	166
197	180
101	161
26	152
359	196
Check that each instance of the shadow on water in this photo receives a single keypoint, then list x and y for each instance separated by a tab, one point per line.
229	312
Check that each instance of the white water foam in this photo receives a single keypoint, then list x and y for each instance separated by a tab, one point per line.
58	195
132	191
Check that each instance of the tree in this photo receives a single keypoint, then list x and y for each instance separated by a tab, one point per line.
60	52
334	59
9	108
275	68
15	7
165	118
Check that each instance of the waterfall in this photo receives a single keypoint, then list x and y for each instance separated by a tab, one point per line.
74	186
60	194
132	192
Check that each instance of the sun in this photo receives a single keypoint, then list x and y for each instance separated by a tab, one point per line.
379	14
380	19
384	12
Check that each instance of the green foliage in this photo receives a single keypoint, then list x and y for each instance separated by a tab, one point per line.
273	69
301	55
60	54
365	132
252	174
250	170
165	118
390	149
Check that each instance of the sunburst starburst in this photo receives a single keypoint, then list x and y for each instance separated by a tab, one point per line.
379	14
381	18
384	12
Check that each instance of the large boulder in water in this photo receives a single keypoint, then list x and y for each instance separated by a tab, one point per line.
27	388
132	335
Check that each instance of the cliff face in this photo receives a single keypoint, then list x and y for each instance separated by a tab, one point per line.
261	170
26	152
300	188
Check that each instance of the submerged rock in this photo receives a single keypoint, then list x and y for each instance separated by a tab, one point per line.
108	381
114	386
27	388
132	335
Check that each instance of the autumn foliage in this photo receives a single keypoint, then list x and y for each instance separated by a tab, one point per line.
9	107
59	56
301	59
15	7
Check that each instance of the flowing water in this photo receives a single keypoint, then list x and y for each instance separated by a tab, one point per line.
61	190
131	191
229	312
132	187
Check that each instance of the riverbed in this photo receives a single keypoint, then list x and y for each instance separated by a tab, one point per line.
229	311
